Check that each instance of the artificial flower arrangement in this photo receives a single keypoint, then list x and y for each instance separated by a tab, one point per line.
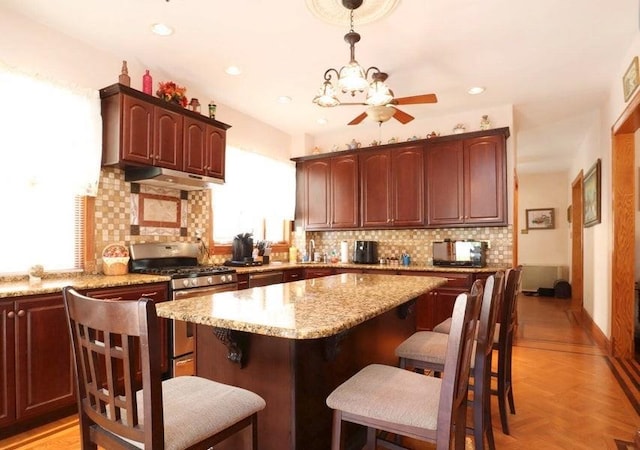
171	92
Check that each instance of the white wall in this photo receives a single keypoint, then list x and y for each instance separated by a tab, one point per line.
543	247
37	49
598	239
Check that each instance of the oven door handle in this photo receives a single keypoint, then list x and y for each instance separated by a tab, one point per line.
185	293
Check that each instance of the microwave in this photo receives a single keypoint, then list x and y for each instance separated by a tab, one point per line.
459	253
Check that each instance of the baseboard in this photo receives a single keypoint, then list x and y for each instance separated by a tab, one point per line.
602	341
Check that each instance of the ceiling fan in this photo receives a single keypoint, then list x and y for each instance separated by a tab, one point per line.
353	78
382	113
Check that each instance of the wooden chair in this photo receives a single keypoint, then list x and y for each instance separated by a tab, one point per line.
111	340
424	350
503	343
410	404
505	332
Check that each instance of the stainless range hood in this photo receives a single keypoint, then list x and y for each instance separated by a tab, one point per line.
159	176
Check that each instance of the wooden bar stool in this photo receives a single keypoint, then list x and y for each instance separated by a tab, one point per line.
117	342
409	404
424	350
503	343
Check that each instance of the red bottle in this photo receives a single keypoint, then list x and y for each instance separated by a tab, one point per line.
147	83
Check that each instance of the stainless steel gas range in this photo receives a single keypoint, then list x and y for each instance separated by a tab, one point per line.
179	260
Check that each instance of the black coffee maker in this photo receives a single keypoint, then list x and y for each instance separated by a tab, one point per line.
242	251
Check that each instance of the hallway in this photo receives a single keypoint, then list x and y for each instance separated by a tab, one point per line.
567	396
566	393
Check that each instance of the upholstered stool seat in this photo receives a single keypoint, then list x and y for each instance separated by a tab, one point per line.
193	409
410	399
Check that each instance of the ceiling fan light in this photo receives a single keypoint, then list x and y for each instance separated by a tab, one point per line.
326	96
352	79
379	94
380	113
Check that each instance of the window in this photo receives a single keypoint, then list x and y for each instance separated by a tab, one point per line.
50	159
258	197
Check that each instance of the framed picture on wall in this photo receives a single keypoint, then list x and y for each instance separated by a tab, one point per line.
540	219
630	80
591	196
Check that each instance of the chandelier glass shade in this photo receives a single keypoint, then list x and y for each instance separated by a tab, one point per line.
380	113
353	78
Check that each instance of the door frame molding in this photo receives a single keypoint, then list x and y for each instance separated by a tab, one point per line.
577	239
624	203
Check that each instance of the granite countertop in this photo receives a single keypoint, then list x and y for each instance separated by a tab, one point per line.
305	309
79	281
277	265
55	283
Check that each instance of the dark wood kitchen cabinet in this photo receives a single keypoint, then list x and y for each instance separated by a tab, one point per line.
466	182
437	305
204	148
149	135
392	187
142	130
158	292
330	199
36	361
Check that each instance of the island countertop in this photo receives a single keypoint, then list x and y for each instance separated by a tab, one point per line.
306	309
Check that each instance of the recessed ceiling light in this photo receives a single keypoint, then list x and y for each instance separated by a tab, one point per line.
476	90
322	121
161	29
233	70
284	99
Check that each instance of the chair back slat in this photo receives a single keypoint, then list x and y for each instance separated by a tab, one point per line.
491	306
453	393
107	337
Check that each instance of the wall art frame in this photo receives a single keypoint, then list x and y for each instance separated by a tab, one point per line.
630	79
540	219
591	193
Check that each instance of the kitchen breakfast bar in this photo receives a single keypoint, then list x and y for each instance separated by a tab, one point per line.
293	343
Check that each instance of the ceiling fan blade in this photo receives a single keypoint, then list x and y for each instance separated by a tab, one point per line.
358	119
416	99
402	116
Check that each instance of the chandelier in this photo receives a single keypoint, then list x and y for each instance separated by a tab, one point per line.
352	78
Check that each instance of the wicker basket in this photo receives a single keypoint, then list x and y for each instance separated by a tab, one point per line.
115	265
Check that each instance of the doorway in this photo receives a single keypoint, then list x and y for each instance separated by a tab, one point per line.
623	255
577	256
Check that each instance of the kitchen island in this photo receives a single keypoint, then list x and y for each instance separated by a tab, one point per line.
293	343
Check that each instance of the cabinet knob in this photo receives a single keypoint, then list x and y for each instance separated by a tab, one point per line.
11	314
21	313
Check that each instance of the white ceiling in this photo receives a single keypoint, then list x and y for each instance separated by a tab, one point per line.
552	60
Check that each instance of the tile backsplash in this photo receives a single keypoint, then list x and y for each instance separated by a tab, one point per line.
417	242
118	220
120	214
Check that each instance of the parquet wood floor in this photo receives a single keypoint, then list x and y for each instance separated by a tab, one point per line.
566	394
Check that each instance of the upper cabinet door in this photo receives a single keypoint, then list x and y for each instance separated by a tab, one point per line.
317	177
204	148
445	185
375	184
137	131
485	180
407	186
167	139
344	192
216	145
194	148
